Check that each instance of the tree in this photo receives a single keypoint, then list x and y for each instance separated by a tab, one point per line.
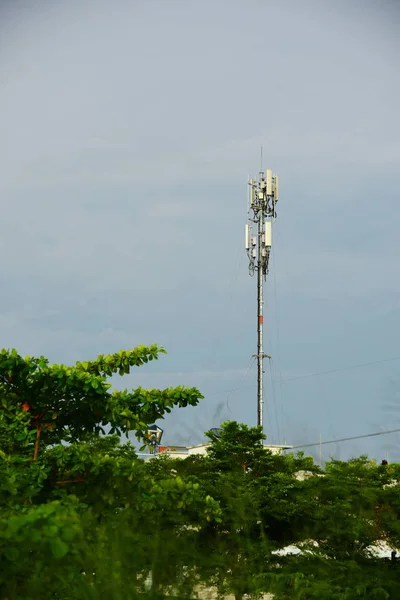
81	517
73	499
353	507
261	506
333	517
40	550
50	404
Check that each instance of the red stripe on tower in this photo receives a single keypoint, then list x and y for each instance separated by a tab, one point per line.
261	320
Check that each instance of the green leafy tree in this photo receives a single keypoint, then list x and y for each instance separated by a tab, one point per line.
333	517
50	404
353	507
59	473
40	550
260	500
82	518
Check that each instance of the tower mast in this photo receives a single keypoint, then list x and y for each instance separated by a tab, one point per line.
263	196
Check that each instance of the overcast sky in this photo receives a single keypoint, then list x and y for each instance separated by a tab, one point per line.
128	129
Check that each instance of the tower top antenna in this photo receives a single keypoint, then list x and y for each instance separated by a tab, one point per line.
263	196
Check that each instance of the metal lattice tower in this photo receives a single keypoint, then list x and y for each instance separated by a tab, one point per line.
263	196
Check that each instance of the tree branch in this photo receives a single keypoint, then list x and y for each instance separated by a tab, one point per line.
77	480
37	441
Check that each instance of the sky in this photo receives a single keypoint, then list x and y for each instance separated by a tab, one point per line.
128	132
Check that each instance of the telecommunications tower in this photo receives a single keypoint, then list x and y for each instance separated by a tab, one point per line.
263	196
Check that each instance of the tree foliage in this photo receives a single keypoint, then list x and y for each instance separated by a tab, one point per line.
55	403
272	502
82	517
68	494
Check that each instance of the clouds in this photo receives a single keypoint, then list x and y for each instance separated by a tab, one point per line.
127	134
194	91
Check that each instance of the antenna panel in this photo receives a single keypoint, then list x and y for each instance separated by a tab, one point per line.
276	188
247	237
269	182
251	193
268	234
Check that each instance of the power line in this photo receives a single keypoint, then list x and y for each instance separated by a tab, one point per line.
252	361
350	368
347	439
340	370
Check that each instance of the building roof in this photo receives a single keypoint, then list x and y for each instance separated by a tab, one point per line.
281	446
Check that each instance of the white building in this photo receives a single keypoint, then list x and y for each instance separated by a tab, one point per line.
199	449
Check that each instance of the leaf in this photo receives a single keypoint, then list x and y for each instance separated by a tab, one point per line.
11	553
58	548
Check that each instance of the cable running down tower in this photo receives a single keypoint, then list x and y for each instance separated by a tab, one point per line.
263	196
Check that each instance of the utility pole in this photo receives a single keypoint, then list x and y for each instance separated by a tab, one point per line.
263	196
